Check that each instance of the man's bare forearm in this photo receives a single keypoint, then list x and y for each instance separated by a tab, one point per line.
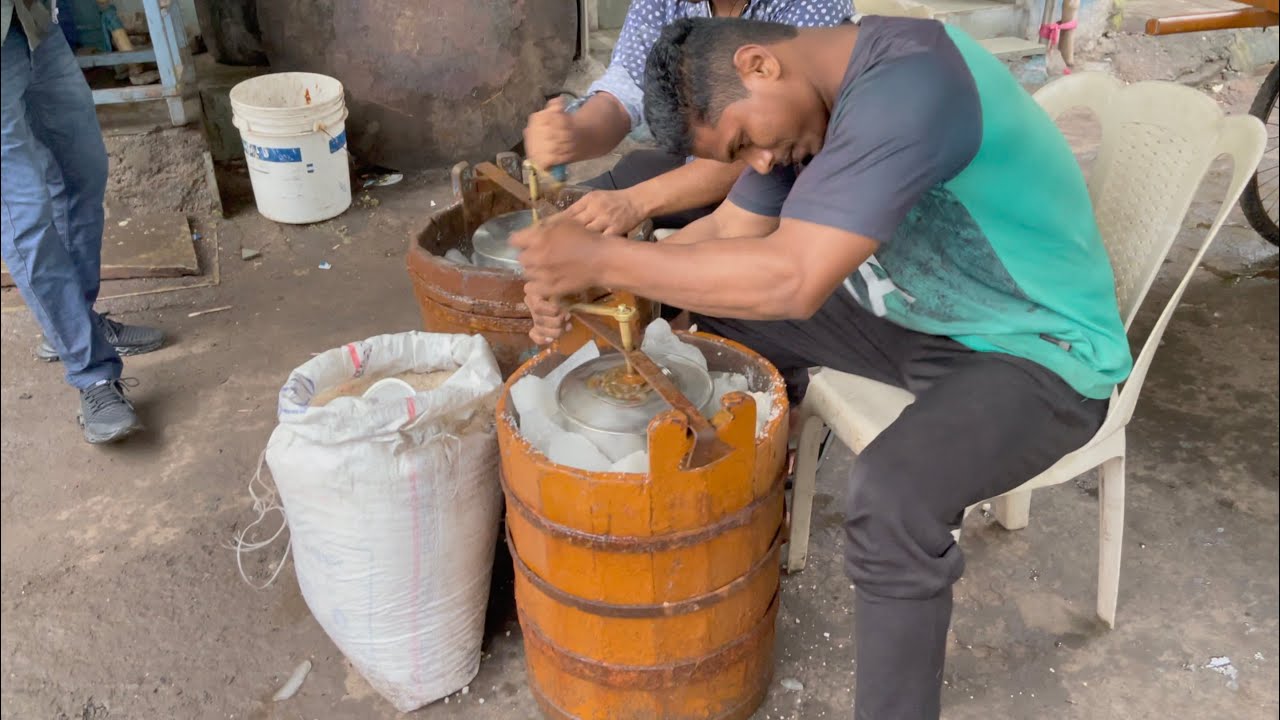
726	221
745	278
693	185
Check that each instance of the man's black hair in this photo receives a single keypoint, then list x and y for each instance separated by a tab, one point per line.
690	77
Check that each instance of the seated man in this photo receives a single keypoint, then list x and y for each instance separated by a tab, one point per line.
910	215
629	193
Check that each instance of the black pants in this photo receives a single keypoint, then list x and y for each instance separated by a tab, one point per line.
639	166
982	424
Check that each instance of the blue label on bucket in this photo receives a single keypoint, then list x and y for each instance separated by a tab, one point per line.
337	143
270	154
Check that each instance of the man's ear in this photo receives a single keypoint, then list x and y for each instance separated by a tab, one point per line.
756	62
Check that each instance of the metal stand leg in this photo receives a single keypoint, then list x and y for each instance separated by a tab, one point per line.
168	51
169	38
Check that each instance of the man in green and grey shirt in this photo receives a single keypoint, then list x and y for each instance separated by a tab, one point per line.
54	168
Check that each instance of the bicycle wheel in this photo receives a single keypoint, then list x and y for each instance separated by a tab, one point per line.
1261	198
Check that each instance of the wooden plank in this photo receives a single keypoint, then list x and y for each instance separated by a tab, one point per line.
513	187
1269	5
156	245
1203	22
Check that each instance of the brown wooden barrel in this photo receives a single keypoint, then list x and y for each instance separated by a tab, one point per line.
651	597
478	300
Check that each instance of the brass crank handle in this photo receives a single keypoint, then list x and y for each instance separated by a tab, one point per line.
625	315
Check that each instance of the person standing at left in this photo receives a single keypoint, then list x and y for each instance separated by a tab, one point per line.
54	169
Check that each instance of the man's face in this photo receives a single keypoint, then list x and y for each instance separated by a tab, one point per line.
782	121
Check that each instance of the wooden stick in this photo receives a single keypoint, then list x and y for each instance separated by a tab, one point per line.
1067	43
1200	22
198	313
514	188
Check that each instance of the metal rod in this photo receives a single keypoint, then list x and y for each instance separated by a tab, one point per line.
531	177
625	315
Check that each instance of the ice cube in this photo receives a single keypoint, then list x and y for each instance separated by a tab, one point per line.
454	255
723	383
532	394
764	410
584	353
618	446
636	462
658	337
537	409
574	450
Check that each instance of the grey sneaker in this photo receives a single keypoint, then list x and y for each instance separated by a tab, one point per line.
105	414
127	339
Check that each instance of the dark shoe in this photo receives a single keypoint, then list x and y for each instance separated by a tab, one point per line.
127	339
105	414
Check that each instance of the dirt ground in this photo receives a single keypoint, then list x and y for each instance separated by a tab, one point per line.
121	599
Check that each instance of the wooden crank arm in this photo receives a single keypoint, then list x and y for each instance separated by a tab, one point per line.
1250	17
707	445
513	187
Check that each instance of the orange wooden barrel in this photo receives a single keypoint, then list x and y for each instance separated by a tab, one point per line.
652	597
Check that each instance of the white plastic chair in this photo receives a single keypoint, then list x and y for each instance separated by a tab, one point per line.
1158	141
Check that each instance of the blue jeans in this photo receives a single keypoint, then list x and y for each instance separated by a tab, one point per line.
54	168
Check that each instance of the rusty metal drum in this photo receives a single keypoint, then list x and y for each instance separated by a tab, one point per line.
428	82
652	596
469	299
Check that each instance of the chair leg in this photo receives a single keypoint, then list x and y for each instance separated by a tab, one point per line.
1110	537
967	511
802	491
1013	509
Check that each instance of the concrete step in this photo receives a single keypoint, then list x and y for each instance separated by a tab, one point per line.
983	19
1012	47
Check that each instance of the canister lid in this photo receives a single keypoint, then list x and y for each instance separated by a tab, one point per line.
492	240
599	394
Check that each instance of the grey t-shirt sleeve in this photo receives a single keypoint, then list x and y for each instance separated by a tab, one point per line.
903	126
763	194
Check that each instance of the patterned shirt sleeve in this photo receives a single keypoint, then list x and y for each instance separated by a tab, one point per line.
625	77
810	13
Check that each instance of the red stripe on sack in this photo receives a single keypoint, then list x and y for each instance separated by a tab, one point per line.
355	358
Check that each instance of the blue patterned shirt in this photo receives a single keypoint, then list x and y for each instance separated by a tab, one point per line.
645	19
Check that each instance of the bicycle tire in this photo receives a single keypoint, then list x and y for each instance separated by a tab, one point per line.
1251	201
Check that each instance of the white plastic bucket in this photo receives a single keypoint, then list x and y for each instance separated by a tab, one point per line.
295	143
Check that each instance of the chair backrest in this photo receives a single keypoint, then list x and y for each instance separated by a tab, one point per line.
1158	141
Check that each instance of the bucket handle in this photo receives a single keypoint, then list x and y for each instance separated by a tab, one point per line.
243	125
320	127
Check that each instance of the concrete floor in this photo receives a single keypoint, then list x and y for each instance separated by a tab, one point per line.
121	599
